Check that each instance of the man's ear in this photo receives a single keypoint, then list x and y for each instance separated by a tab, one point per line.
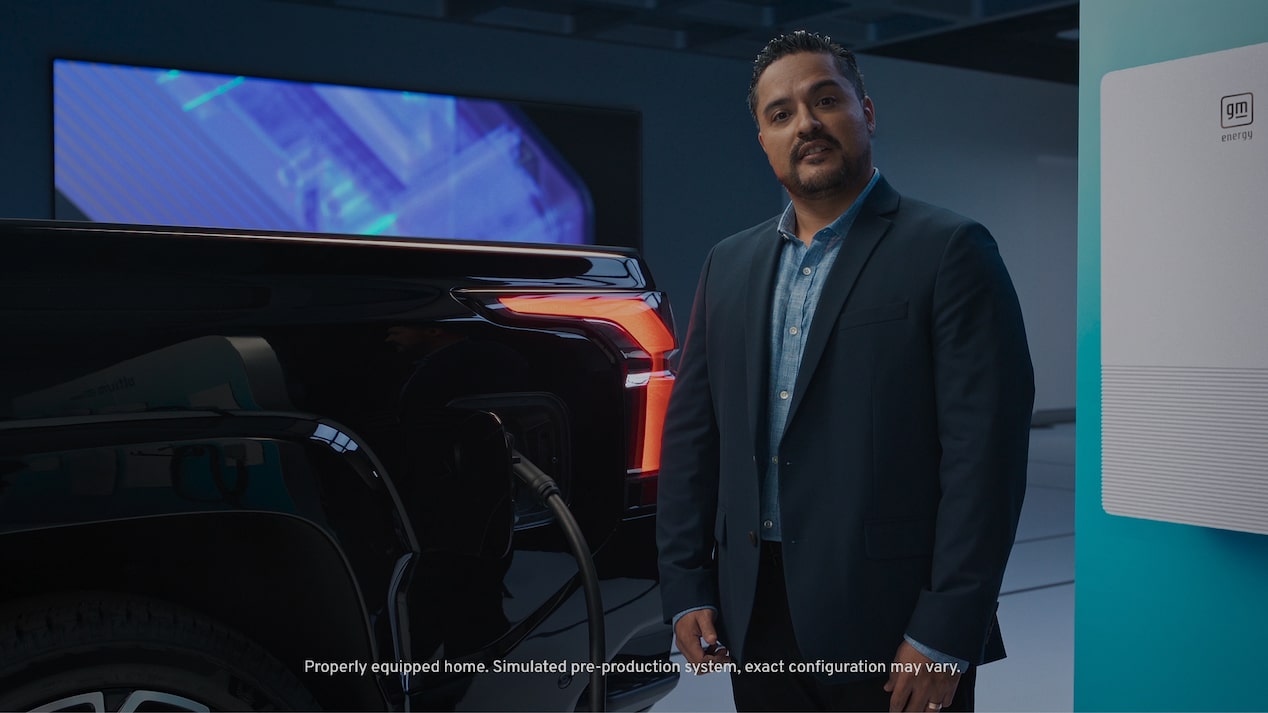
869	113
761	141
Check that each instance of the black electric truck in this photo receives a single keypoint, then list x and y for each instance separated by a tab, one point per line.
244	470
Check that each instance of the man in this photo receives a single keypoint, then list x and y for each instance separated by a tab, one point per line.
845	451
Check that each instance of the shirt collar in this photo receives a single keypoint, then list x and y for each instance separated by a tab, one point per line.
788	221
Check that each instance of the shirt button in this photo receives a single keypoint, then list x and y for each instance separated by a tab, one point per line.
768	524
806	271
793	331
774	459
783	394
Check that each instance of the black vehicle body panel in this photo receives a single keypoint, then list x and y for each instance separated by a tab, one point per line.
218	418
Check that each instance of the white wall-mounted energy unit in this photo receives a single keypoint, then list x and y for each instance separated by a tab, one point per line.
1184	290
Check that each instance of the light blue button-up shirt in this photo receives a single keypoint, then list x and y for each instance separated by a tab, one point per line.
803	271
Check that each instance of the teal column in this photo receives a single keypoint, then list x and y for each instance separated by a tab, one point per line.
1167	617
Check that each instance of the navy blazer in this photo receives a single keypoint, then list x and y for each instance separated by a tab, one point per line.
903	463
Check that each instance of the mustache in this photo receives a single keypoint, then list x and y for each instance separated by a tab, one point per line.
801	143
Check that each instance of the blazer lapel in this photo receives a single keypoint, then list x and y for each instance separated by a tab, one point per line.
868	229
761	284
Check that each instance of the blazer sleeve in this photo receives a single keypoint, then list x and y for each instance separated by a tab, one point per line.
687	494
984	391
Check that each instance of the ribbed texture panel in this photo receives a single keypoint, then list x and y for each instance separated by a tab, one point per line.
1186	445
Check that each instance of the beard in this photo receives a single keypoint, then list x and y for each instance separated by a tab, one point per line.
824	182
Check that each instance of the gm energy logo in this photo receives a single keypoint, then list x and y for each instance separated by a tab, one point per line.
1237	110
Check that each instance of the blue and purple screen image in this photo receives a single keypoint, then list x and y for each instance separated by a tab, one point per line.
168	147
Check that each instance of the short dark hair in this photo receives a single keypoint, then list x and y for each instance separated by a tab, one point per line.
796	43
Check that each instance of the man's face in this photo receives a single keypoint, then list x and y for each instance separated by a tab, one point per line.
816	133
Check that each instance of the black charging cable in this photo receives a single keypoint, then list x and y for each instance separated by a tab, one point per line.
548	491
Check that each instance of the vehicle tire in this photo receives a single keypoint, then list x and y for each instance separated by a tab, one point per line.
109	652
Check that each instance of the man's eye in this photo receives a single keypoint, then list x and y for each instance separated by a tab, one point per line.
827	101
779	116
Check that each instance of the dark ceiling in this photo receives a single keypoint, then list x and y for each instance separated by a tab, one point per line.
1028	38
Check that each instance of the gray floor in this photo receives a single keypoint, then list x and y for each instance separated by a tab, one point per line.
1036	609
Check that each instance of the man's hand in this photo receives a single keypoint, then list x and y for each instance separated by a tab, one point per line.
688	633
927	691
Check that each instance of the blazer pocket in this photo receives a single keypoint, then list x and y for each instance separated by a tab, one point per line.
898	539
872	315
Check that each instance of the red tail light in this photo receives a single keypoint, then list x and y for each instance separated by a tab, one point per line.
649	383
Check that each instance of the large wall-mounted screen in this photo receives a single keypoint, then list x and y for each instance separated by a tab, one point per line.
171	147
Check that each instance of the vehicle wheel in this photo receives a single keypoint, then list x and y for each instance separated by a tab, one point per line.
108	652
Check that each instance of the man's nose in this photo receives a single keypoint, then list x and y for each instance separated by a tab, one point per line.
808	122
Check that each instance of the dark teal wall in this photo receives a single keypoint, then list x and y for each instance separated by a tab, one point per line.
974	142
1167	617
704	175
